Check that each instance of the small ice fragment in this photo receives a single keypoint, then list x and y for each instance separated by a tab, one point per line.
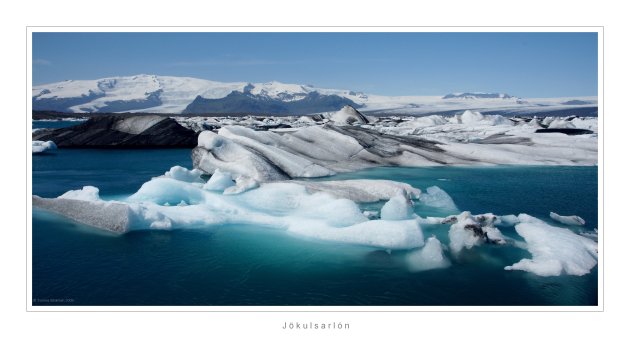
428	257
568	220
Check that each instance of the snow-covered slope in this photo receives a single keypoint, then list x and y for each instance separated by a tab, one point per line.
169	94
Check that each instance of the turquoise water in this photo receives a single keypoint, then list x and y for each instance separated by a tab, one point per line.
54	124
248	265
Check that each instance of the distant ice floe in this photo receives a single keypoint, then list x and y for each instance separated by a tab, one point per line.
328	211
554	250
568	220
43	146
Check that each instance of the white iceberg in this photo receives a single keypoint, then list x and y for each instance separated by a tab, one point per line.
555	251
43	146
429	257
167	203
437	198
568	220
397	208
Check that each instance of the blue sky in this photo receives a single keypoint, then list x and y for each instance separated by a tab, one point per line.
522	64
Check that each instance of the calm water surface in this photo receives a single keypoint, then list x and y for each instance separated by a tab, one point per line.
249	265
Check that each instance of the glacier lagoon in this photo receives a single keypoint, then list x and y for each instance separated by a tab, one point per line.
239	264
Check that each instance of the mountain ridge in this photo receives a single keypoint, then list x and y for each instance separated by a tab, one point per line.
176	95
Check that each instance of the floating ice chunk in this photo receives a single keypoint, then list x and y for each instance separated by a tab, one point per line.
285	206
398	207
429	257
87	193
220	181
43	146
465	233
568	220
437	198
182	174
243	183
468	231
554	250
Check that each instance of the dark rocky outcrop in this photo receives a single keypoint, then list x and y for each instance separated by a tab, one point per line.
567	131
122	131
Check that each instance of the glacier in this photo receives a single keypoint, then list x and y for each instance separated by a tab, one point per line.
176	95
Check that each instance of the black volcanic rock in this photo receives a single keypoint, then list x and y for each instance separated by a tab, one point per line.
122	131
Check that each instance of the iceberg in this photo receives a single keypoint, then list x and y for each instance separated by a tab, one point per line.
168	203
429	257
568	220
43	146
468	231
398	207
555	251
437	198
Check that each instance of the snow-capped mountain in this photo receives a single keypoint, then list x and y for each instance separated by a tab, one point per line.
175	95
